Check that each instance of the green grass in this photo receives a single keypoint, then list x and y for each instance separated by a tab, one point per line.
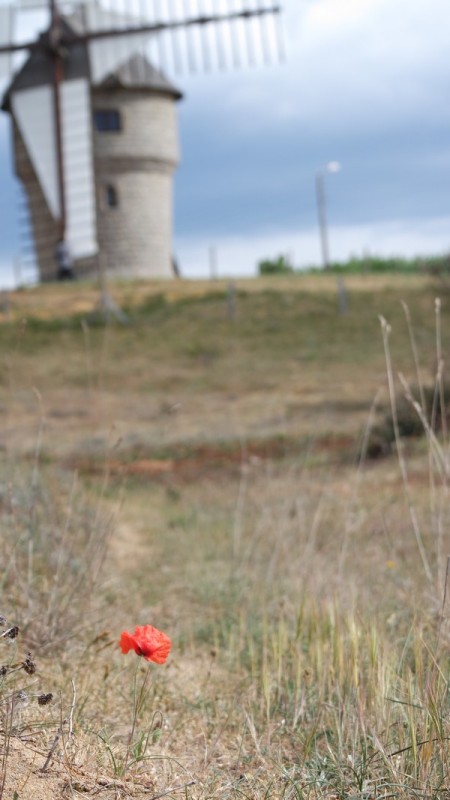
274	332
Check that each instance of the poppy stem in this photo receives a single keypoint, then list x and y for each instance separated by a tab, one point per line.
138	701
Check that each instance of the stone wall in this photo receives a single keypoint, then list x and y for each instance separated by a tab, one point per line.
149	125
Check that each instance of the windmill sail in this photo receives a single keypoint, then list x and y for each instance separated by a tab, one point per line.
33	110
180	36
78	168
107	52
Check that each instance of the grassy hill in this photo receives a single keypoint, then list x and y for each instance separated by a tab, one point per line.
204	468
286	364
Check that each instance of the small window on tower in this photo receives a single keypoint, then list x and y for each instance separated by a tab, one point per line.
112	200
107	120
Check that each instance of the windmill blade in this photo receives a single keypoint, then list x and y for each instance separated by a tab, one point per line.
123	28
79	183
209	32
106	54
34	112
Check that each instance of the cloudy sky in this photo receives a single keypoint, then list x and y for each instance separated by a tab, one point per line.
364	82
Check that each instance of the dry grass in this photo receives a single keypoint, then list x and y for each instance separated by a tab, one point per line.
304	591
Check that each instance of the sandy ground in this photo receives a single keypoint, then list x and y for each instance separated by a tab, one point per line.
26	781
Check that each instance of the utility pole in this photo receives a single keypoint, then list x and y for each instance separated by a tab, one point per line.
332	166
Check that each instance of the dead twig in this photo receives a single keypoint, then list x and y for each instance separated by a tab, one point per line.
66	721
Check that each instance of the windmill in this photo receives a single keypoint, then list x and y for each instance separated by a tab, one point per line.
94	126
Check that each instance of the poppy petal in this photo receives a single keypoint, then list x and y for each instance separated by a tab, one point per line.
126	642
159	656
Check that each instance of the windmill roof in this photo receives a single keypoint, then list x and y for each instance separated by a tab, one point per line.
37	69
138	73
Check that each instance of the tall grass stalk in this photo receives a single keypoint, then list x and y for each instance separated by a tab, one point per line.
386	331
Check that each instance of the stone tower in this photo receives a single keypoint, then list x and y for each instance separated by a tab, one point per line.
129	163
135	147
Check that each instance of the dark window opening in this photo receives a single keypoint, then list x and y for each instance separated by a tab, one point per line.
112	199
107	120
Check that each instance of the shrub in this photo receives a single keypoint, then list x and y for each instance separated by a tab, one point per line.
382	437
276	266
53	549
373	264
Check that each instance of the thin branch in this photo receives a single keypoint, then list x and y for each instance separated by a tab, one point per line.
66	721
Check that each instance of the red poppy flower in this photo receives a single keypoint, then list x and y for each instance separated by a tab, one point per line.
148	642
